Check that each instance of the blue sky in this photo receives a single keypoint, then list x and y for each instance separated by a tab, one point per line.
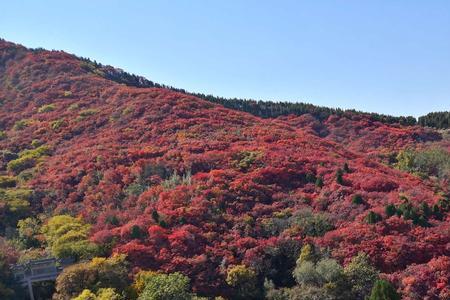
389	56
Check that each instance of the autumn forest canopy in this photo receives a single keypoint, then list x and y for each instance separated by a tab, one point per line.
153	192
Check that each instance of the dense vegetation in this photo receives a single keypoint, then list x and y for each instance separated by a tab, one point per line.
436	119
158	194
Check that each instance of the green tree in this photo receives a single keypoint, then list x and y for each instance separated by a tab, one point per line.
102	294
428	162
329	270
14	205
99	273
244	281
325	280
383	290
426	210
307	253
308	293
390	210
159	286
28	229
271	293
360	276
312	224
68	237
306	274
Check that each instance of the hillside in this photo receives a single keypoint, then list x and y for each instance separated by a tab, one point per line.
178	183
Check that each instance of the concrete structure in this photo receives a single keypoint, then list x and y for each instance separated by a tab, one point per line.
38	270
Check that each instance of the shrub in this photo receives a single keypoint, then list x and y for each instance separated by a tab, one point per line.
14	205
25	175
21	124
7	181
6	155
57	124
3	135
18	165
136	188
312	224
245	159
67	94
28	159
86	295
127	110
36	143
74	106
46	108
102	294
87	112
176	180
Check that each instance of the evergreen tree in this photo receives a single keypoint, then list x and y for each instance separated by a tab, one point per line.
346	168
390	210
383	290
373	217
339	178
357	199
319	182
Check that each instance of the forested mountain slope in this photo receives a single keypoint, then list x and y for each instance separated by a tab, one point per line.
181	184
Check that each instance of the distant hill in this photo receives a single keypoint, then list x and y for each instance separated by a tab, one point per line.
271	109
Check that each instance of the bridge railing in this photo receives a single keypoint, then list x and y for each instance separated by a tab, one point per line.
39	268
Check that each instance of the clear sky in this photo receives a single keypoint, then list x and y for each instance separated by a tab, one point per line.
387	56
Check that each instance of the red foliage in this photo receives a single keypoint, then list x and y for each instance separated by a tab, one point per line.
116	145
425	281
